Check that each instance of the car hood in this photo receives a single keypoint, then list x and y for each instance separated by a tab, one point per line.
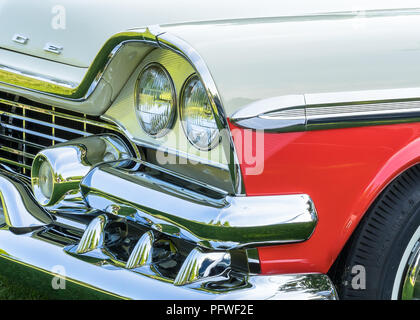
80	28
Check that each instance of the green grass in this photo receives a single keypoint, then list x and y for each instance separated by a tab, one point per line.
15	291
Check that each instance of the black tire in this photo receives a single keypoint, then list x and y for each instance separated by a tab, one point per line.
380	241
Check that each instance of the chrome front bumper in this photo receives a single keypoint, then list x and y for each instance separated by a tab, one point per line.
41	247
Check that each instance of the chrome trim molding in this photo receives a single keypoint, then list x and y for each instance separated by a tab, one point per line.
217	222
77	91
8	76
285	113
330	110
171	42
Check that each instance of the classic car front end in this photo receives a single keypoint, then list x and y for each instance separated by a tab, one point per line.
228	158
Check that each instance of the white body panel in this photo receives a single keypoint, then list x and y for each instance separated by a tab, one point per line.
252	60
305	48
86	25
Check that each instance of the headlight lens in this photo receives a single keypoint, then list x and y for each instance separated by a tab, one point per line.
155	100
197	116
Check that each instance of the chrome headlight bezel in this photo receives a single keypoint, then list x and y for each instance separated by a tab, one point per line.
172	114
216	139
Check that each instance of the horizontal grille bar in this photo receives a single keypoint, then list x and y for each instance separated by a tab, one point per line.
26	127
60	114
46	136
51	125
31	144
18	152
15	163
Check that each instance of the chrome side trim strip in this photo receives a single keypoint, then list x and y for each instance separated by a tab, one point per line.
217	222
331	110
280	114
353	115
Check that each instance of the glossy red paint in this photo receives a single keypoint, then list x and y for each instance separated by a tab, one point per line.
343	170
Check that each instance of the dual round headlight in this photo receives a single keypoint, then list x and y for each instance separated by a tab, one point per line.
155	101
156	107
197	115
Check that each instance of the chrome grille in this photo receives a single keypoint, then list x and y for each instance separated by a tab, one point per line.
26	127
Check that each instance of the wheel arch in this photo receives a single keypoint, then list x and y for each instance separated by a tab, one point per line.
403	160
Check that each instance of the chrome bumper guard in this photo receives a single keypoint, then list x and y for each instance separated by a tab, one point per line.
188	246
197	213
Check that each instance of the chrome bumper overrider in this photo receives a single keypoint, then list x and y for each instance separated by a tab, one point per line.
87	250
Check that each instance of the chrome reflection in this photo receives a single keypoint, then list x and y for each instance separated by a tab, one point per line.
51	86
2	217
320	111
57	171
142	252
18	207
284	113
210	219
96	271
32	255
94	236
411	286
200	265
171	42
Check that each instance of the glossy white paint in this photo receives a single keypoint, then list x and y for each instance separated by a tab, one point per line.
88	24
257	59
304	48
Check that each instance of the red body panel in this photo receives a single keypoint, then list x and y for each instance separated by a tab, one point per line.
343	170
